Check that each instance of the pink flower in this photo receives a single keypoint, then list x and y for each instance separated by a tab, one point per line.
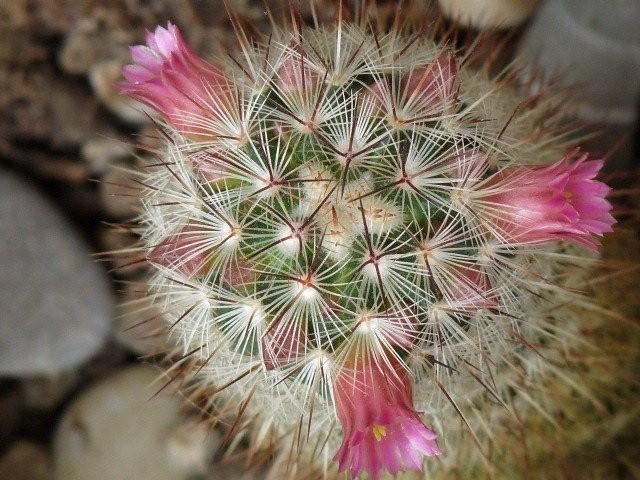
191	94
559	202
381	429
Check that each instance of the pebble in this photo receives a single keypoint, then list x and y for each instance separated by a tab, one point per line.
118	430
489	14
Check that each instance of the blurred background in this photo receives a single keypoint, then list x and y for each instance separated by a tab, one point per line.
77	389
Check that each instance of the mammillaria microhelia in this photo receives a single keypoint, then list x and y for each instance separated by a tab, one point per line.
353	236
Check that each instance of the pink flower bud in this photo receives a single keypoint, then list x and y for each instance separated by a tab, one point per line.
469	290
239	273
282	345
381	429
561	201
208	166
295	74
187	251
191	94
426	92
432	88
469	165
396	328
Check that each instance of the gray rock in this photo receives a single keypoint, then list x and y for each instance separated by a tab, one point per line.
55	300
488	14
595	44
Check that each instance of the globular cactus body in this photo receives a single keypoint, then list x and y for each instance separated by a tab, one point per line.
340	237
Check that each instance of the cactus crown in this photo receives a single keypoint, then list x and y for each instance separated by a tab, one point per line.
339	201
308	205
323	210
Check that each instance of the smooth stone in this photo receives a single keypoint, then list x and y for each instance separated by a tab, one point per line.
489	14
594	44
57	304
118	430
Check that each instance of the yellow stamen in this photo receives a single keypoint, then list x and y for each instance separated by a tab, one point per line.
379	431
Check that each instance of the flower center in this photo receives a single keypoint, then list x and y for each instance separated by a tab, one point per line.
379	432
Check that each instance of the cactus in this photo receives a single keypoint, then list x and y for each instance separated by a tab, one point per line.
355	236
